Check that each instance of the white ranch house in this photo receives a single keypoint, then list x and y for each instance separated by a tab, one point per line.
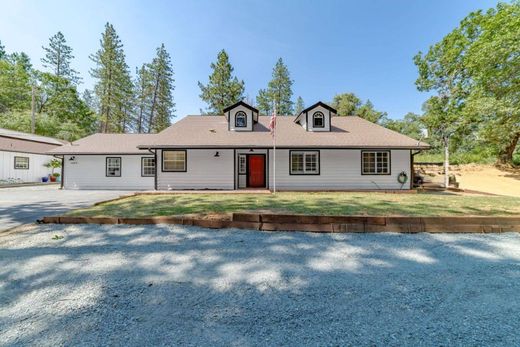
315	150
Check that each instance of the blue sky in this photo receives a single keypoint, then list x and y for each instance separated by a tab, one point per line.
365	47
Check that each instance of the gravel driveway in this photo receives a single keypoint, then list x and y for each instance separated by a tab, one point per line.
172	285
27	204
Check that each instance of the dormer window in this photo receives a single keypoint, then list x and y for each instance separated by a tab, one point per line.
240	119
318	120
317	117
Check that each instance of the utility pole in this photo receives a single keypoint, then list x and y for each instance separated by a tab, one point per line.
33	106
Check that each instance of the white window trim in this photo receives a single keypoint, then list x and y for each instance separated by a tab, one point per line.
242	169
305	171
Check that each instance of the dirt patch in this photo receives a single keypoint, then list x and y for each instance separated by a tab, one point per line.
489	179
478	178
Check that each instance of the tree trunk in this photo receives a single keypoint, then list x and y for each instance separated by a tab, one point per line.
446	143
506	155
140	119
154	102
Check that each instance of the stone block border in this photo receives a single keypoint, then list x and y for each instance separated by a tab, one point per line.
318	224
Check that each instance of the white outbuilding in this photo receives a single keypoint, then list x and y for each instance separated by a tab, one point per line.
23	156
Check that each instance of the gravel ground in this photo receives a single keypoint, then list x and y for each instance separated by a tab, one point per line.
172	285
22	205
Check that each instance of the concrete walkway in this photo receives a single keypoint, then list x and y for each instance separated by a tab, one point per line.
27	204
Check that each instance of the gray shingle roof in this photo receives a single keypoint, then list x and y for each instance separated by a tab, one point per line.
105	144
212	131
30	137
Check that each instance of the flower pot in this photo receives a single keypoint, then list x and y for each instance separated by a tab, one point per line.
45	179
53	178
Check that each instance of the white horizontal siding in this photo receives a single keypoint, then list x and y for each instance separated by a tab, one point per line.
339	170
203	171
89	172
36	169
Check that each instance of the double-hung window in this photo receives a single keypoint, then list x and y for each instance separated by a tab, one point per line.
375	162
147	166
304	163
113	167
21	163
174	160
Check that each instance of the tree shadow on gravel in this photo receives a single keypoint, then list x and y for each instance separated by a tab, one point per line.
149	285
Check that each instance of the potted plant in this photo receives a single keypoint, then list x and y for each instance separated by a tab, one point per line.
53	164
45	179
56	175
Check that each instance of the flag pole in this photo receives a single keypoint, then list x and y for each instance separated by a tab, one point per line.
274	152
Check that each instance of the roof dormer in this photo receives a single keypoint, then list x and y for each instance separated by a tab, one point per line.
241	116
316	117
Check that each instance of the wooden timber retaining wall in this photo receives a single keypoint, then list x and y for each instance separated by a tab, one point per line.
321	224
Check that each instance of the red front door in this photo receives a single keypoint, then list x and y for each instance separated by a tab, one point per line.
256	171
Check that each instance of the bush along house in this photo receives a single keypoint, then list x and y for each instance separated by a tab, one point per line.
315	150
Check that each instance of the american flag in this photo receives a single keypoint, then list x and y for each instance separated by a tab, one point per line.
272	123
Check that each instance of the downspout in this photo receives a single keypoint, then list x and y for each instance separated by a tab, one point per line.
155	160
62	168
412	170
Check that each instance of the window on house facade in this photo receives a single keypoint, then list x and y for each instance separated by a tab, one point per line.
240	119
113	167
318	120
242	163
21	163
148	166
174	161
375	162
305	163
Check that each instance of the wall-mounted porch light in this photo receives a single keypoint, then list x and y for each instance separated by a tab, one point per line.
217	154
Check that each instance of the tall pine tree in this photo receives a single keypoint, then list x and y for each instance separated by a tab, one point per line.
278	92
143	92
300	106
58	56
222	89
162	105
2	51
16	77
113	88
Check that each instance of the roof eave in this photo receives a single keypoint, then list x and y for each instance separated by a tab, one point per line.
226	146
